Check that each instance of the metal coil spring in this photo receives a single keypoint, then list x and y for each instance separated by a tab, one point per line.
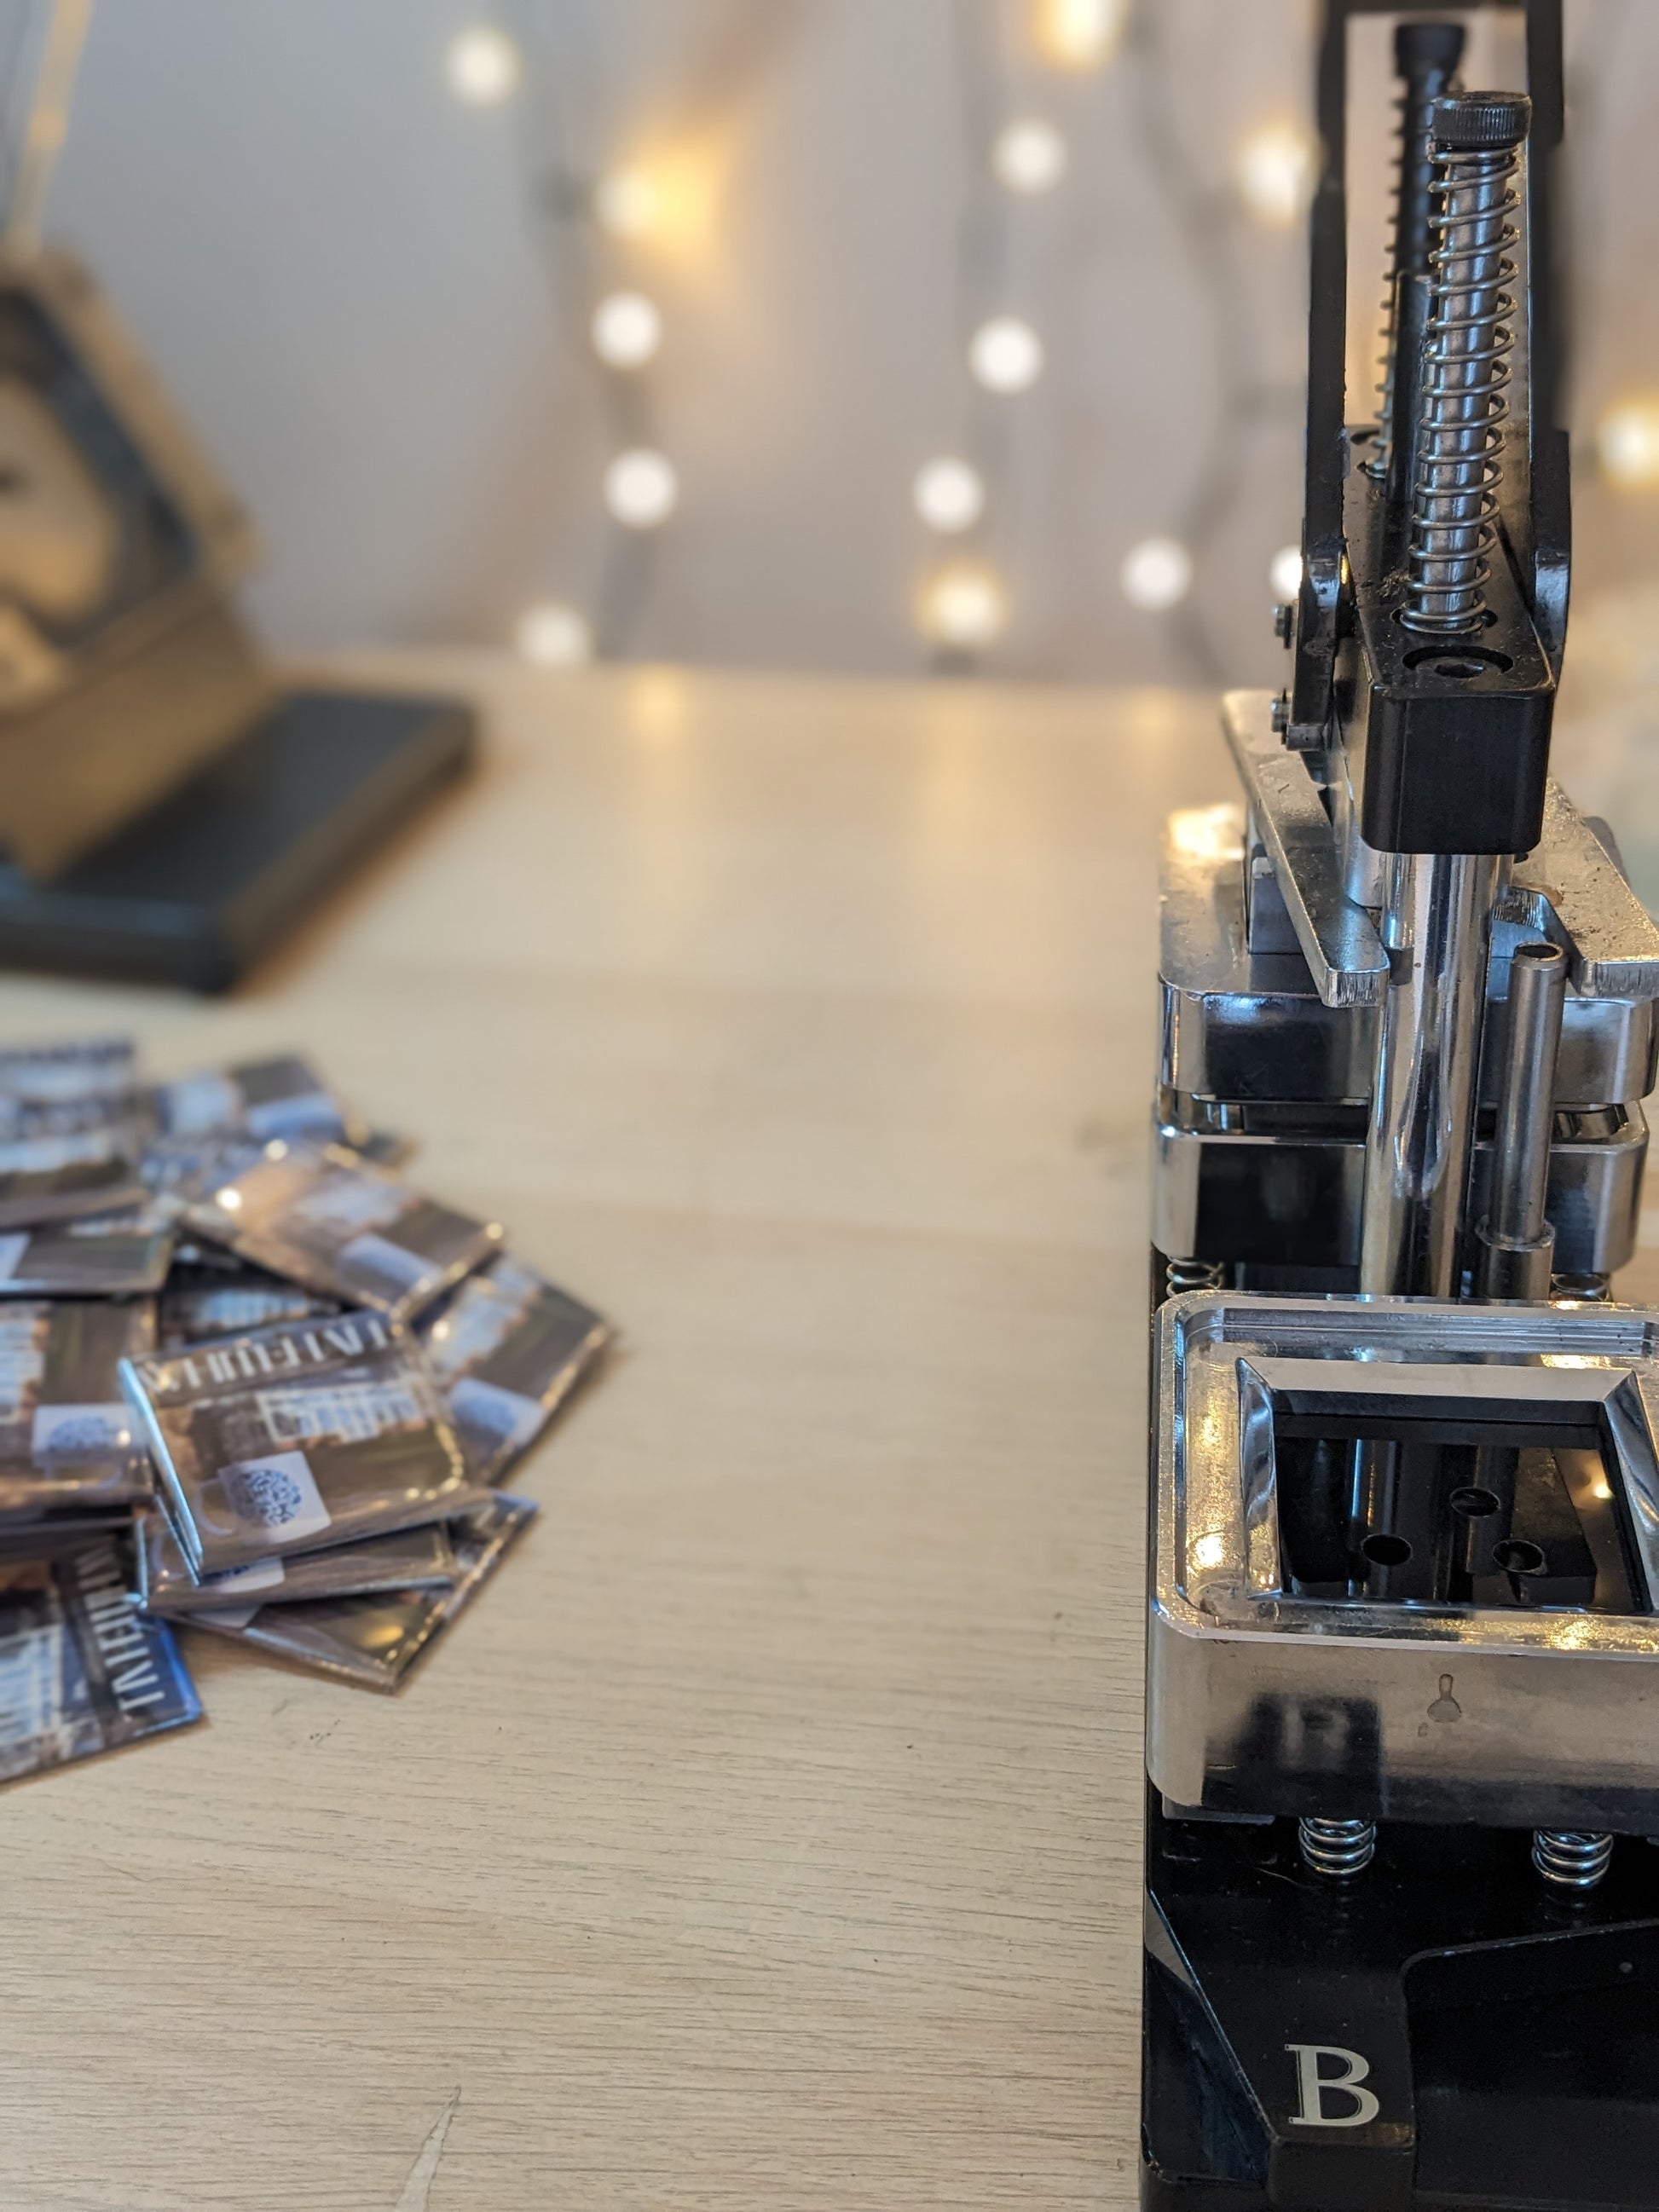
1571	1858
1466	370
1338	1848
1181	1275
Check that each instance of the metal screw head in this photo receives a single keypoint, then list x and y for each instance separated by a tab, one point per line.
1480	122
1284	622
1281	715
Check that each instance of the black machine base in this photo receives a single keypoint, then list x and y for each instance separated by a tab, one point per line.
205	883
1440	2033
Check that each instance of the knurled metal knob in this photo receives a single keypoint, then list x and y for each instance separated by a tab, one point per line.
1480	122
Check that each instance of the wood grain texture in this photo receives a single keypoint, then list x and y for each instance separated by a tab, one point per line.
767	1836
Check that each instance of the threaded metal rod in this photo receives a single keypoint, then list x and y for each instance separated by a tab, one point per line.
1462	409
1337	1848
1571	1858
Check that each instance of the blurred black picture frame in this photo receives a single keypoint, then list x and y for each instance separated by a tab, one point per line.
167	812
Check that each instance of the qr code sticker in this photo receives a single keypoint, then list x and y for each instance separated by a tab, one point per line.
271	1496
277	1493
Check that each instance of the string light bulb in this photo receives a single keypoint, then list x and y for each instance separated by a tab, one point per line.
483	65
1006	355
668	202
554	635
1274	172
1285	573
963	607
1029	155
1627	444
641	488
949	495
1080	34
1156	574
627	329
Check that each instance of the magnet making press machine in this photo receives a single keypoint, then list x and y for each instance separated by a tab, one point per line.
1402	1904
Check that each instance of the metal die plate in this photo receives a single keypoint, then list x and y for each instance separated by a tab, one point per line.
1261	1701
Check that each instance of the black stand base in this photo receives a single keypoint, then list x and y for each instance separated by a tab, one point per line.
1439	2034
198	889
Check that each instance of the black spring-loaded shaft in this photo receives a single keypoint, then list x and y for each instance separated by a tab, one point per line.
1475	138
1426	58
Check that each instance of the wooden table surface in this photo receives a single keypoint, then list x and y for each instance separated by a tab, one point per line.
766	1836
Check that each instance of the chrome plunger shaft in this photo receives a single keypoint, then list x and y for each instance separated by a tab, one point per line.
1437	907
1517	1242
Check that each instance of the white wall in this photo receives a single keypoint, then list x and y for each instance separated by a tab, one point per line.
345	276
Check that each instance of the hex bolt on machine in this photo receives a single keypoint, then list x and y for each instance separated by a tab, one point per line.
1402	1910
